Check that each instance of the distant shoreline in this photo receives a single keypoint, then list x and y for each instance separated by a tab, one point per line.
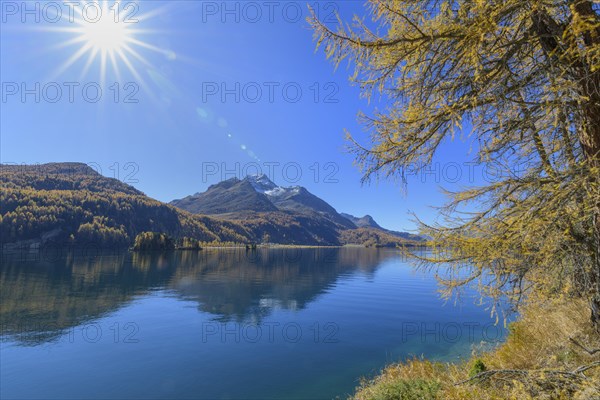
31	248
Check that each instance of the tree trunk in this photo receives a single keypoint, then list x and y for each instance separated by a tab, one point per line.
550	35
595	300
589	137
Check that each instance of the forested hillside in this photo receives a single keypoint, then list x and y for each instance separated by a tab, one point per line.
71	203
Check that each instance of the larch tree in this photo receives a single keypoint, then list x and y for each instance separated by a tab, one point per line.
525	77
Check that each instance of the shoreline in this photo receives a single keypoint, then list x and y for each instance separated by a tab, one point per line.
528	364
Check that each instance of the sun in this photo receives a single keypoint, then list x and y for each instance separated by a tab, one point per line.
106	35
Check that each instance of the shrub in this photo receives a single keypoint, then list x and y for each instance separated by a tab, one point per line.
411	389
477	367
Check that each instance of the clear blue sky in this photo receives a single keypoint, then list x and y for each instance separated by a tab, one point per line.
183	132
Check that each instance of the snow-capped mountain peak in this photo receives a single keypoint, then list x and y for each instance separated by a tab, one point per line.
261	183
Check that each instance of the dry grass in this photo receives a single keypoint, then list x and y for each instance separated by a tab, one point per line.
536	362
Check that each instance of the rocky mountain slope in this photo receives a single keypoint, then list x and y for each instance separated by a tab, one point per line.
258	193
241	200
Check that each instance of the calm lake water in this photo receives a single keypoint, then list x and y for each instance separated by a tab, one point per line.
222	324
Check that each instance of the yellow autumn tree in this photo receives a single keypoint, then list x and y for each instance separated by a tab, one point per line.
525	75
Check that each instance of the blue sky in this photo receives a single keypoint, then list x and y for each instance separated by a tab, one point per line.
199	115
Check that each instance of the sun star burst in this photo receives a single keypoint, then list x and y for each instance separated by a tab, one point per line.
109	36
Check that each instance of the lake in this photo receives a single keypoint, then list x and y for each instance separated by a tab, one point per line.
222	324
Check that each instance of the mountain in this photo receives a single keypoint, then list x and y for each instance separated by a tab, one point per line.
232	195
61	176
296	199
291	198
368	222
275	214
257	198
71	204
259	194
365	222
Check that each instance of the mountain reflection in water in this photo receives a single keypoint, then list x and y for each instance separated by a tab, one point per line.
43	297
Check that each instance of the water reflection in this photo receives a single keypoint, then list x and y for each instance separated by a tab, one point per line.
42	298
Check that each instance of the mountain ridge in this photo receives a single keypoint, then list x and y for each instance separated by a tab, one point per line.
362	222
294	200
72	203
232	195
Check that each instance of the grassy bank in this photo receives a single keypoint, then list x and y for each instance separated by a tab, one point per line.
543	358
